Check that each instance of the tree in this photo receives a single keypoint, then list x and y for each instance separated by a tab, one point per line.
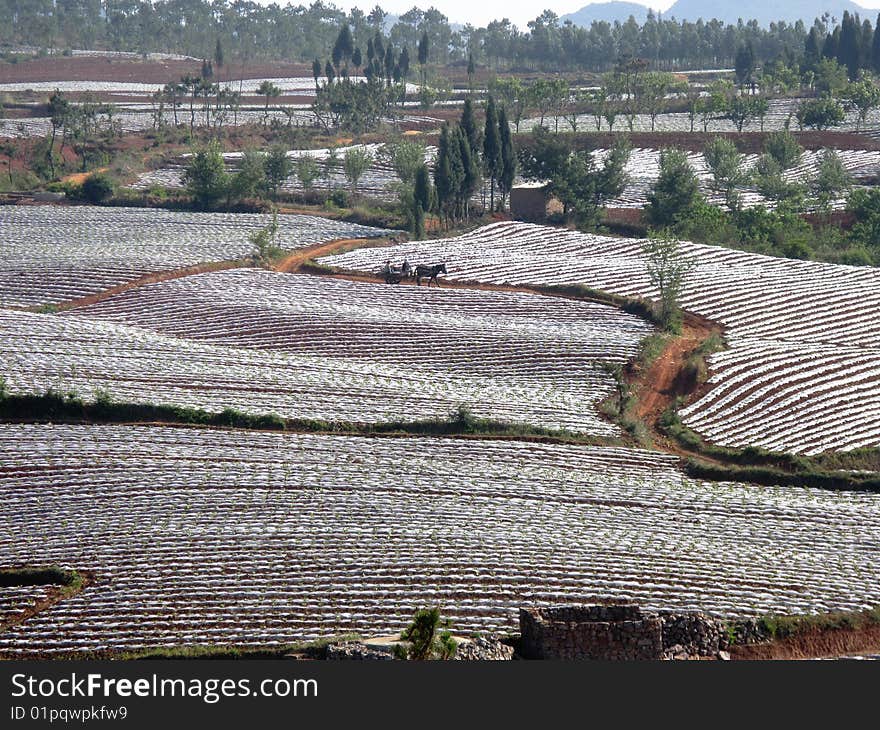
343	49
491	149
675	194
406	156
830	77
726	165
307	171
864	203
510	94
424	640
205	175
508	157
471	70
424	48
251	176
652	91
469	127
277	168
316	72
265	240
59	114
821	113
740	110
667	266
218	53
770	182
744	64
356	162
783	147
331	161
96	188
875	48
863	96
270	91
831	182
422	200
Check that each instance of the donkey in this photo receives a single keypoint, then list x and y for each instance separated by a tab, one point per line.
431	272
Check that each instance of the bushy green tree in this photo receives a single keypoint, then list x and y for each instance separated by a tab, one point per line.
307	171
277	168
675	194
784	148
831	182
726	165
667	266
862	95
97	188
205	175
356	162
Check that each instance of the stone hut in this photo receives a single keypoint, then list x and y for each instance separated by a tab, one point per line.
532	202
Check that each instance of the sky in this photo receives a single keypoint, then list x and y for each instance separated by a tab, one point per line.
464	11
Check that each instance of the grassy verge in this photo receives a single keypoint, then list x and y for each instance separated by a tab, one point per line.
52	406
312	649
761	466
782	627
779	627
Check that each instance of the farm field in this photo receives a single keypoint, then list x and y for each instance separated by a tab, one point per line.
781	112
54	254
801	373
227	537
308	347
643	169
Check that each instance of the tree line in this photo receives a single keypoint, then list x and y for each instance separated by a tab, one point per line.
251	31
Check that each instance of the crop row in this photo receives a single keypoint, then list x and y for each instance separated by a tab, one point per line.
51	254
780	115
304	347
205	536
766	305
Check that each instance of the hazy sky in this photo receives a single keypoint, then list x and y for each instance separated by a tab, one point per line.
481	12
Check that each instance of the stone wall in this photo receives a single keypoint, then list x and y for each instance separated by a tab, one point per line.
617	632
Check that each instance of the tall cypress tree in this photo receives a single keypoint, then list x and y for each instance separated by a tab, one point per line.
508	156
848	53
875	47
470	168
469	125
491	149
812	48
442	173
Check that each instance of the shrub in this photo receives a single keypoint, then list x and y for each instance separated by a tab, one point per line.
97	188
339	198
424	641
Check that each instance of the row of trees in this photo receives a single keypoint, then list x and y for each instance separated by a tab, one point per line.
676	204
468	155
261	174
300	32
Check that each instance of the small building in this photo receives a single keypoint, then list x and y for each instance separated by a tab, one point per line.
533	202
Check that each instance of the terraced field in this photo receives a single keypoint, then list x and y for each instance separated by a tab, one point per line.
378	182
643	169
223	537
309	347
51	254
802	372
781	113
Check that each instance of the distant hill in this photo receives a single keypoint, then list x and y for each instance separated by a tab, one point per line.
760	10
764	12
609	12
